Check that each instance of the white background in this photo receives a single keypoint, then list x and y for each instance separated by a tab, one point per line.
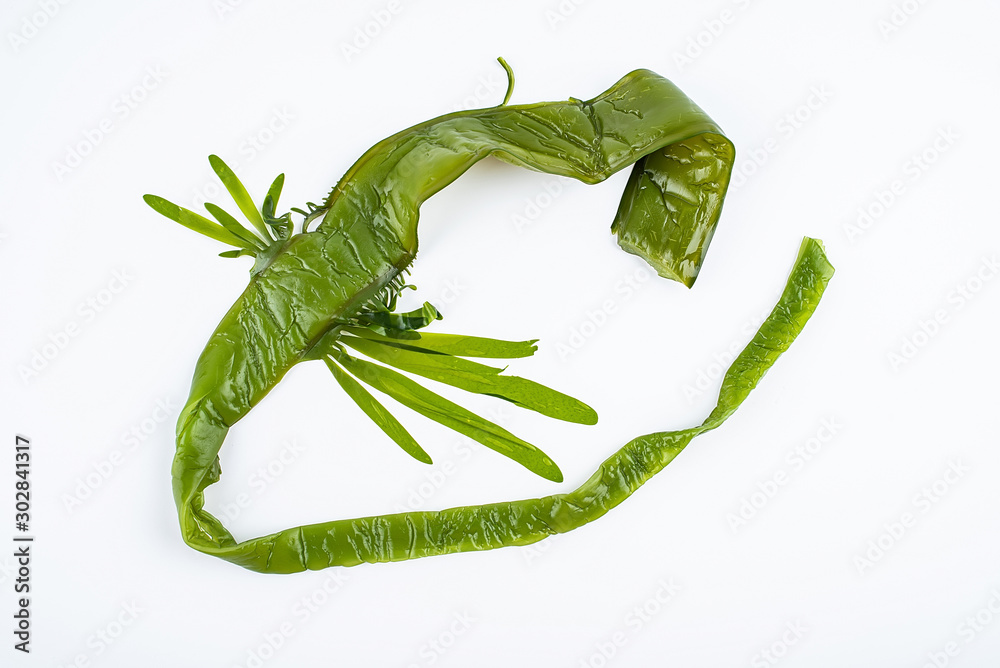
866	96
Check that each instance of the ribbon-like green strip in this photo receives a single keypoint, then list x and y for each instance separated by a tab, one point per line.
484	527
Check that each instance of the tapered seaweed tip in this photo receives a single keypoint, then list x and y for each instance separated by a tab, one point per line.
510	80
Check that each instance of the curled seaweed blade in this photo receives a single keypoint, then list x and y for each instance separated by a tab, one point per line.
401	322
282	224
510	80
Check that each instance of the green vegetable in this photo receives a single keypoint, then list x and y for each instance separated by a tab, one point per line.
316	293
